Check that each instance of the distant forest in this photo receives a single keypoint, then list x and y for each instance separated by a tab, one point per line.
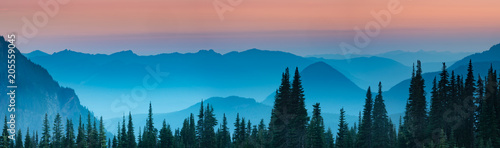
463	112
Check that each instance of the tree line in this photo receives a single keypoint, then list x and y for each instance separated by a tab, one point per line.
461	113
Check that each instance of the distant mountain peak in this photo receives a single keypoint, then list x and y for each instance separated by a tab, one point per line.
36	53
124	53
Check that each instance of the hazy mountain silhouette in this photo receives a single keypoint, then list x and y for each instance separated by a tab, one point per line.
326	85
252	73
36	53
407	58
374	68
37	93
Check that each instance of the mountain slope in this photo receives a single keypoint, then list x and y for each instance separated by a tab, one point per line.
332	89
37	93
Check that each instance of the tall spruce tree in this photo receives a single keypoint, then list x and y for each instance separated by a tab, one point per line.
236	133
436	121
81	141
149	138
365	130
166	137
280	117
416	114
341	139
300	117
381	127
27	139
19	139
208	139
102	134
4	140
200	125
316	129
329	142
466	138
225	141
45	143
69	140
123	135
57	134
130	132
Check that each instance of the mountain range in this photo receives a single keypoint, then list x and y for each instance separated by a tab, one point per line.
254	73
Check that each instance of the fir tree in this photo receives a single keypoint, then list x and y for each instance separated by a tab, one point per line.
316	128
329	142
200	125
225	141
299	112
416	114
280	117
115	142
4	141
381	122
45	143
365	130
19	139
57	132
81	138
166	137
341	139
102	134
130	132
123	135
236	133
27	139
208	139
149	138
69	141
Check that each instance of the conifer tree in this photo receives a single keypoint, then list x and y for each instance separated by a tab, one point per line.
200	125
81	141
130	132
166	137
316	128
466	138
341	139
488	127
225	141
57	131
45	143
115	142
123	135
365	130
208	139
280	117
299	112
381	128
436	122
262	134
4	141
102	134
19	139
27	139
69	140
236	133
329	142
416	114
149	138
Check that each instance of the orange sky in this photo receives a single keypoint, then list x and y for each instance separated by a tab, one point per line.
189	19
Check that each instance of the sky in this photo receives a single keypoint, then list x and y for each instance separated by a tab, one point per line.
302	27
